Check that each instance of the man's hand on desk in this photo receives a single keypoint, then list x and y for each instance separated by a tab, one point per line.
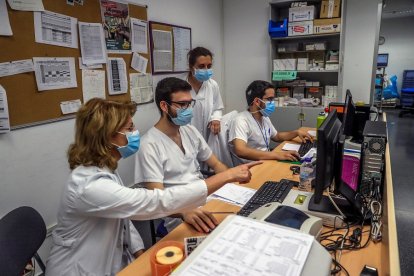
289	155
304	135
202	221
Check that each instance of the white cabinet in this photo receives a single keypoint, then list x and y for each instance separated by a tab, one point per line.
317	58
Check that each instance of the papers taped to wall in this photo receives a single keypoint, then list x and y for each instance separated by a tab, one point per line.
54	73
141	88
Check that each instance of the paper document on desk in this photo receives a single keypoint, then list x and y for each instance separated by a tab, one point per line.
289	146
233	194
243	246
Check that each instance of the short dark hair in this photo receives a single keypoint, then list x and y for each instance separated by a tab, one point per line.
257	90
166	87
197	52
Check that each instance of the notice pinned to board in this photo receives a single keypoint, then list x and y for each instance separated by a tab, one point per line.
139	63
16	67
117	76
139	31
54	73
116	23
162	52
141	88
93	84
56	29
4	112
69	107
5	28
26	5
92	43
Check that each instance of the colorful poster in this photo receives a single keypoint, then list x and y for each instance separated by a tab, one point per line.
116	24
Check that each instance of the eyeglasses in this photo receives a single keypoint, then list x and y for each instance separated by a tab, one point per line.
271	99
185	104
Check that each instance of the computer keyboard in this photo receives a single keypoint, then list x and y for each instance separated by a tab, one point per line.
305	147
270	191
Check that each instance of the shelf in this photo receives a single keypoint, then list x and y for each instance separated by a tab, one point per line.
319	71
306	36
304	51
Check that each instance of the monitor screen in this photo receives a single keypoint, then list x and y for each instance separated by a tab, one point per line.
327	143
349	114
382	60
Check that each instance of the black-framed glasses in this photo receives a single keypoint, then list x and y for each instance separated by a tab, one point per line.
270	99
185	104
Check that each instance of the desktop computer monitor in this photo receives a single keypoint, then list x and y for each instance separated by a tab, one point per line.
349	114
382	60
328	168
328	136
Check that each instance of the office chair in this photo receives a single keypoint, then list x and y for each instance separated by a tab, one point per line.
22	232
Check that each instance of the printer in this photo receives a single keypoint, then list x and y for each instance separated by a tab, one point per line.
288	216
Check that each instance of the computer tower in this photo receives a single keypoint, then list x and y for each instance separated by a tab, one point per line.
373	157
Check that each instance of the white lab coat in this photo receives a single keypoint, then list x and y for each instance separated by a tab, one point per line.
257	135
208	107
161	160
93	220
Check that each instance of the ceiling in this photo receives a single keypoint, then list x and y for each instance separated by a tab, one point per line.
397	8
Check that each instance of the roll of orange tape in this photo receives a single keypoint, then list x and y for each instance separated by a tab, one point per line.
165	257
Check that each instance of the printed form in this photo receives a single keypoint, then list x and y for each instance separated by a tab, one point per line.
140	87
139	30
247	247
56	29
92	43
162	52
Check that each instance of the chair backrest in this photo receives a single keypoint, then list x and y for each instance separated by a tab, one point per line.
22	232
218	143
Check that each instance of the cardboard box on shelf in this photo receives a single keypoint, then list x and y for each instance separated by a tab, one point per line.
301	13
325	26
330	8
300	28
332	66
285	64
302	64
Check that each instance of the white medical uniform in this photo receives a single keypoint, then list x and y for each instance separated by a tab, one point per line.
208	107
94	225
161	160
256	134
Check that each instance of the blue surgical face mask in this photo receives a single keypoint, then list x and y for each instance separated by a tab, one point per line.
184	116
203	74
132	146
269	109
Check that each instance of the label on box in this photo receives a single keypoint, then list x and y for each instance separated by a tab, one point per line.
324	26
301	13
300	28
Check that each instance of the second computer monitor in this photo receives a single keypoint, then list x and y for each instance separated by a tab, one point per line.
328	136
349	114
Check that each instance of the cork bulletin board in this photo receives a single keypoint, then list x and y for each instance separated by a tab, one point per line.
28	106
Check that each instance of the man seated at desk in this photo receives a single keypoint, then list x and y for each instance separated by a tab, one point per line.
171	151
251	131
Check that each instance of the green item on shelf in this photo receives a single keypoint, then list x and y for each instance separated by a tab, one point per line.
284	75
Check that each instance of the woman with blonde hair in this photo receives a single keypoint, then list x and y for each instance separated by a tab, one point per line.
94	235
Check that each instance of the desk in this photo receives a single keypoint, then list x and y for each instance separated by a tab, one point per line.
383	256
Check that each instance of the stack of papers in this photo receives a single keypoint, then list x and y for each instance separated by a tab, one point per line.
233	194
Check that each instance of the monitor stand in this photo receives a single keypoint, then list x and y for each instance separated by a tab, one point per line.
326	206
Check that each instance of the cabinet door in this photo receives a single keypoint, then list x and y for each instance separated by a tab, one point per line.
287	118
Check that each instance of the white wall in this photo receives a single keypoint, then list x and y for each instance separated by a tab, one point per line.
33	166
399	41
246	48
361	36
